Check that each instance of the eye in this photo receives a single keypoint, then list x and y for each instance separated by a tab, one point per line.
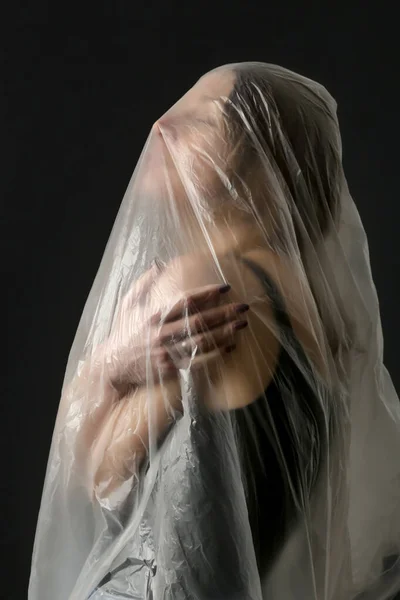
207	122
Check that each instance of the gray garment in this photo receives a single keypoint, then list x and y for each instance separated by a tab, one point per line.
215	564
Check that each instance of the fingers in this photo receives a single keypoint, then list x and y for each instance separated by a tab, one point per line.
219	339
201	348
207	297
161	357
201	323
163	366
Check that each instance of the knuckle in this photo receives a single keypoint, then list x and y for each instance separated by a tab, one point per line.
157	344
162	338
198	324
204	344
162	355
186	299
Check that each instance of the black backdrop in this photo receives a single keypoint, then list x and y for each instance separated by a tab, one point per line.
83	85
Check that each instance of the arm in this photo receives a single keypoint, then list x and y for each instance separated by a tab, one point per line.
125	436
121	431
237	378
111	429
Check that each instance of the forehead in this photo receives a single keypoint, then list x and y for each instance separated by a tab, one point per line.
214	87
215	84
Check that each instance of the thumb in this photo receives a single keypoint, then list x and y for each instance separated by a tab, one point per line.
143	284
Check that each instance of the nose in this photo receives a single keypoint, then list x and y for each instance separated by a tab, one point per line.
156	128
165	127
162	124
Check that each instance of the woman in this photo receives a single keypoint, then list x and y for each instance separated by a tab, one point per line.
210	444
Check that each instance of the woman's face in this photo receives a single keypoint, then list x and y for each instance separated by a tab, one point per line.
187	146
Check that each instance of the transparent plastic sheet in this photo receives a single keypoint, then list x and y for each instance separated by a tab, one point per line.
196	457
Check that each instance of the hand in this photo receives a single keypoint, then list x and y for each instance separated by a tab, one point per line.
196	330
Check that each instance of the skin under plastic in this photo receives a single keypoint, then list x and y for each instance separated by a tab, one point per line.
227	429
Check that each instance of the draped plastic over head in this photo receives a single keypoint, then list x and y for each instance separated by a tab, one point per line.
245	167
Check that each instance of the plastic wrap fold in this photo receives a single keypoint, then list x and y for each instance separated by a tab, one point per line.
227	429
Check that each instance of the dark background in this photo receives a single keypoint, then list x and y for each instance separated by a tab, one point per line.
82	88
